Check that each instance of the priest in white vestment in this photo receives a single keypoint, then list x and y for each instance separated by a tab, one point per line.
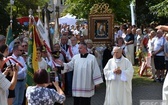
118	74
86	75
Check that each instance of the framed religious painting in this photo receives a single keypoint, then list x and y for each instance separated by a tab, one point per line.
101	28
101	23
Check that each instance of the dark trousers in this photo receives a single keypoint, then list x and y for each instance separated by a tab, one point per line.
69	76
82	100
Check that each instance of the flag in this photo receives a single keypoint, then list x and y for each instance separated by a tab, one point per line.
46	29
43	31
30	72
32	62
56	31
34	57
9	37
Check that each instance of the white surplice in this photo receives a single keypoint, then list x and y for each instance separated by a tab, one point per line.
86	74
165	90
118	87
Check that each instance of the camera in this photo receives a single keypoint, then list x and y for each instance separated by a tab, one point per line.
11	65
52	76
59	69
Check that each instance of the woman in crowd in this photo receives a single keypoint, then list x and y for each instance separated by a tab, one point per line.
41	62
120	43
40	94
150	47
5	52
139	44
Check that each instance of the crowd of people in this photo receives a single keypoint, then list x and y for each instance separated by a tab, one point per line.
78	67
145	48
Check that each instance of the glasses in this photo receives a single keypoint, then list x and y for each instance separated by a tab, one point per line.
24	45
21	50
17	43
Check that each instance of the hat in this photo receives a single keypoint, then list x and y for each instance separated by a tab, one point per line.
56	54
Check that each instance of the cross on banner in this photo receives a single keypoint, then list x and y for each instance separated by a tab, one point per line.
38	10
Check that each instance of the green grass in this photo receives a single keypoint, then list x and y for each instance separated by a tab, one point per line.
138	80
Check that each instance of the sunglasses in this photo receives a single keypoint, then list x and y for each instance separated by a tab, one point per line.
21	50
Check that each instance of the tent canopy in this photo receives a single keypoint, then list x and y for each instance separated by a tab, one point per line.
68	19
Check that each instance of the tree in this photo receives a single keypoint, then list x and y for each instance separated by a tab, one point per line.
81	8
146	14
4	18
20	8
160	9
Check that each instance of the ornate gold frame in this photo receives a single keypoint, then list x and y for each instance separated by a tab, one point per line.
101	22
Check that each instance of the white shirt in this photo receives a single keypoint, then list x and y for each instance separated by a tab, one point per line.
139	39
74	50
4	86
120	32
42	64
76	32
22	71
116	35
150	45
123	35
158	43
85	32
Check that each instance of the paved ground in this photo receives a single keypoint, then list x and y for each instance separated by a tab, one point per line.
144	92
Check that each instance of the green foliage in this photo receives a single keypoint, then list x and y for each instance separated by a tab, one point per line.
140	81
81	8
19	9
160	9
4	17
143	13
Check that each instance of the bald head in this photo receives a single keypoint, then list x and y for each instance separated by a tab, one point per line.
117	52
128	31
159	33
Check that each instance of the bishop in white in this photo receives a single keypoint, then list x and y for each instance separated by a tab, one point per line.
118	75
